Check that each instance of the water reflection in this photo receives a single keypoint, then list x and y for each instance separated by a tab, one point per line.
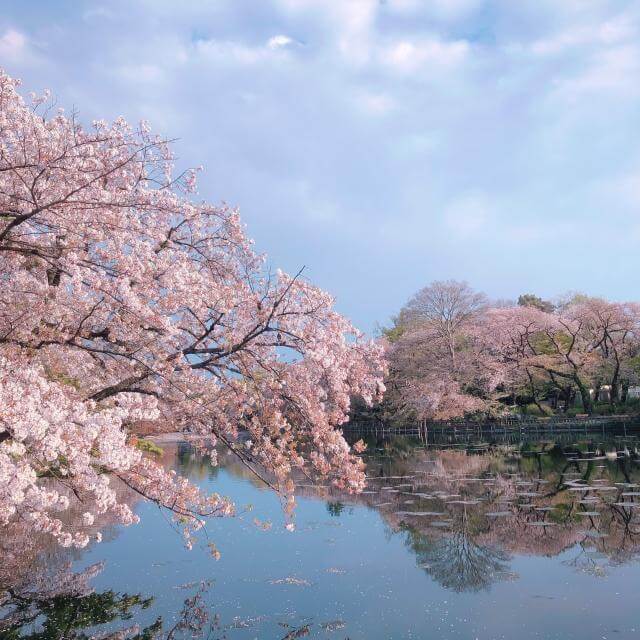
64	606
464	513
464	517
457	561
69	617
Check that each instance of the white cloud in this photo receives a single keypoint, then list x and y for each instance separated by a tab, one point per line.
614	69
231	52
377	104
13	46
279	42
610	32
354	21
348	25
433	54
446	10
529	105
237	52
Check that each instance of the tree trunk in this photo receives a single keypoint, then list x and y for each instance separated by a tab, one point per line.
452	351
613	392
534	395
587	404
625	391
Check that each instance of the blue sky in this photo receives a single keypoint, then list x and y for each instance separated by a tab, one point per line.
383	144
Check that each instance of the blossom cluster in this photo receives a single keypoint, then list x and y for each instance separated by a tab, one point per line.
123	299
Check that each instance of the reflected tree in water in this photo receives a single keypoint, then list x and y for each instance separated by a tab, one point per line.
63	605
42	598
70	617
71	610
190	464
335	508
465	513
457	561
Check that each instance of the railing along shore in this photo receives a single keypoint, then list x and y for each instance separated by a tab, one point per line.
513	427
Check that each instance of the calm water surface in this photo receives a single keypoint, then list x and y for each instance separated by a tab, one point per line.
527	541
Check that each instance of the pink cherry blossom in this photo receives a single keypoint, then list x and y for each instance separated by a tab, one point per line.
122	300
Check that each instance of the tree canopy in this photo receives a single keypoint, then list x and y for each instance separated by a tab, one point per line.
123	299
453	353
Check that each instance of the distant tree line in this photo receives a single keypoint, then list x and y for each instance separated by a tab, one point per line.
453	353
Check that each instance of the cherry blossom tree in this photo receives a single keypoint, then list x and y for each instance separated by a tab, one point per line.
124	299
532	341
583	345
439	365
613	330
447	308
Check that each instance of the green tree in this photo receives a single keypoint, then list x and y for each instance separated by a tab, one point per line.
531	300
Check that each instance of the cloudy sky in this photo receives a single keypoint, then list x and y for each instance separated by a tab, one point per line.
381	143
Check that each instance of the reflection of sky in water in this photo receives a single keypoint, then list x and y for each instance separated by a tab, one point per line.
369	569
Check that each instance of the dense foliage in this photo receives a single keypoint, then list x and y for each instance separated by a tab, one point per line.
452	353
122	299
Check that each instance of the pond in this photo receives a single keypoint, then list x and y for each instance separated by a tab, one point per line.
536	540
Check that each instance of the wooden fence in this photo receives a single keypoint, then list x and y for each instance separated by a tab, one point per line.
510	428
